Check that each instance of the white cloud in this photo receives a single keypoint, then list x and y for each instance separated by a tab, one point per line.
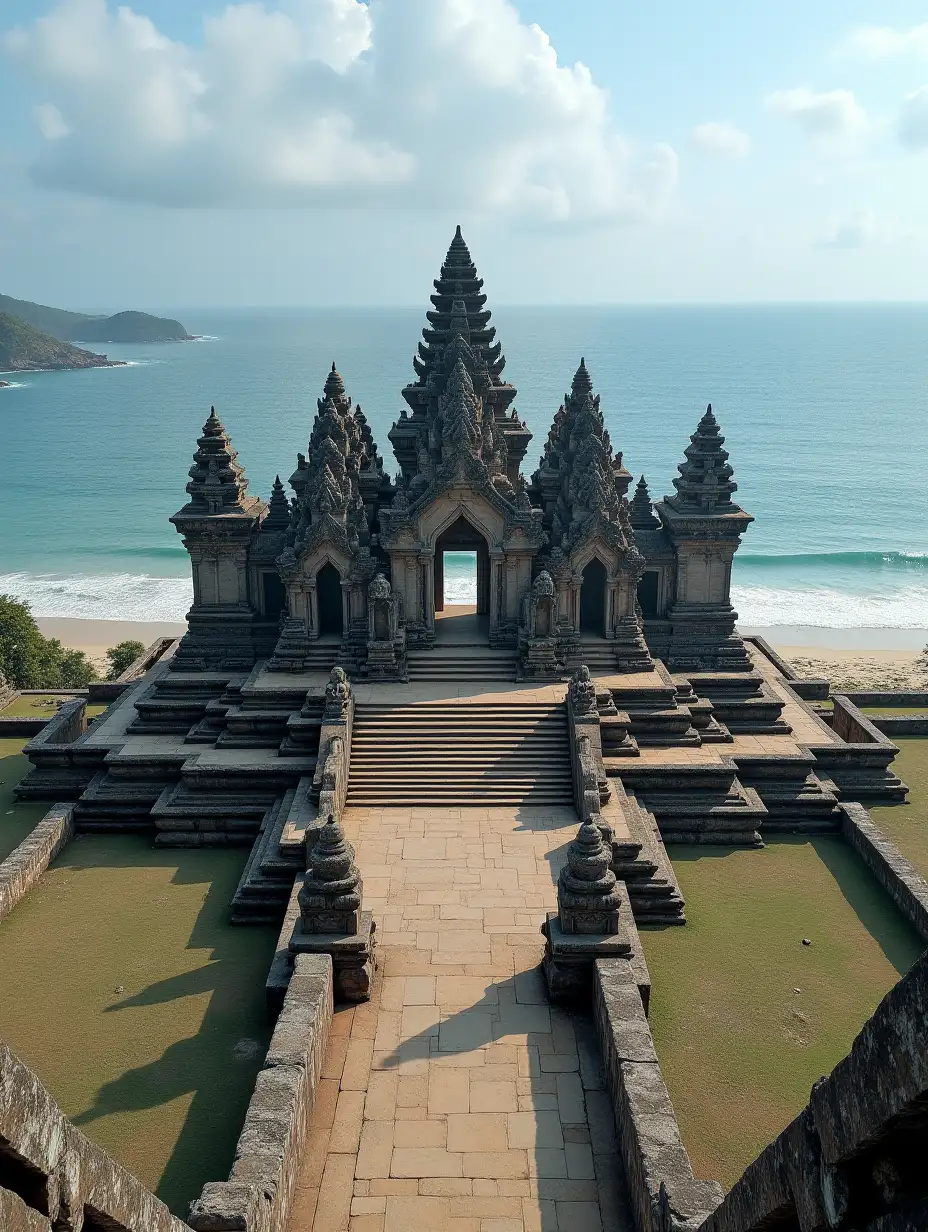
50	122
450	103
856	231
830	114
882	42
721	138
913	119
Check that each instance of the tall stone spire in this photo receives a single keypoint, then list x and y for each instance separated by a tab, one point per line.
640	510
705	528
217	480
328	481
458	328
580	475
705	482
218	524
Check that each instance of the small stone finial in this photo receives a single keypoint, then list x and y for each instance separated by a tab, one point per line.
278	509
543	586
582	382
581	691
640	509
705	482
330	897
587	893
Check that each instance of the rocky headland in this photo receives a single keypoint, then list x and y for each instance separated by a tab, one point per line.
85	327
26	349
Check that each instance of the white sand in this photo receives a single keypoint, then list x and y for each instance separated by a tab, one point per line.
95	637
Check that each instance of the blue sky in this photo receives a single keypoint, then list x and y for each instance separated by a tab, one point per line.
307	151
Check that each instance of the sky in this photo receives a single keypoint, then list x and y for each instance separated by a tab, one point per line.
185	153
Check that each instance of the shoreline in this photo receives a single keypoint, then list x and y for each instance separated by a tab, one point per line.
850	658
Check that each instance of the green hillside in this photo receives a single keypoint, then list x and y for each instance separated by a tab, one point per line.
25	349
83	327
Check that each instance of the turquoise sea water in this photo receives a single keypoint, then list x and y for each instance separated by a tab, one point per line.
825	411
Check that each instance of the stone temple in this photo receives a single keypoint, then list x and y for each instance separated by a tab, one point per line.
458	816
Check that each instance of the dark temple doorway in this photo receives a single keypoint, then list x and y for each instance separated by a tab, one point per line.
593	598
647	594
459	541
329	598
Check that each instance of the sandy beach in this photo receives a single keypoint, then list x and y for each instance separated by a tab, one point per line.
850	658
95	637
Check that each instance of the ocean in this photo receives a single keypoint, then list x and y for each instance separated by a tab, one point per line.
824	409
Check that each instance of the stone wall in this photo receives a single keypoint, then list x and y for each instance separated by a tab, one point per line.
25	865
854	1158
259	1192
905	885
109	690
53	1179
810	689
664	1194
60	771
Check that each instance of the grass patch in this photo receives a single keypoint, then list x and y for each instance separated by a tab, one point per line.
17	817
893	711
29	707
139	1006
739	1048
907	824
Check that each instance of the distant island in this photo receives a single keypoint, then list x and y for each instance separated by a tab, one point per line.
83	327
26	349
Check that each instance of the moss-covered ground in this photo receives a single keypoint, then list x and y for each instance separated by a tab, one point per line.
17	817
41	707
139	1006
745	1017
894	710
907	824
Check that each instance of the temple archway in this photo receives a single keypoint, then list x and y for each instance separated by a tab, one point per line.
329	599
461	536
593	598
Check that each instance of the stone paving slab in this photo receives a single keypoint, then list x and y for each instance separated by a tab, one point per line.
458	1098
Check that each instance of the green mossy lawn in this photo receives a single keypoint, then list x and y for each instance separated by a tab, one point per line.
17	817
139	1006
739	1047
42	707
907	824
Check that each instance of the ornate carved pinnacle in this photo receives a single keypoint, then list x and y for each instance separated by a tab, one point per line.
587	893
330	898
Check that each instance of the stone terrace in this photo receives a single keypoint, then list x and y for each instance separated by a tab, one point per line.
458	1098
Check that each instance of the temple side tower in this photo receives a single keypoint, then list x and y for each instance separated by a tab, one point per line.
326	562
217	523
593	559
705	529
459	307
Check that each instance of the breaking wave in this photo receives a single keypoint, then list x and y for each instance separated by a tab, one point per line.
904	608
120	596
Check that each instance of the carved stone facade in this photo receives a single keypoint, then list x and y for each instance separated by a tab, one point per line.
353	563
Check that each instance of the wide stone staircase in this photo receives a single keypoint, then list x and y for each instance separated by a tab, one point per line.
461	754
460	664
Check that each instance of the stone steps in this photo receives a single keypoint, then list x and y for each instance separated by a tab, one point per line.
472	754
267	880
460	664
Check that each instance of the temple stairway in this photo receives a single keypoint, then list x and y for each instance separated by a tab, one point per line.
461	664
449	753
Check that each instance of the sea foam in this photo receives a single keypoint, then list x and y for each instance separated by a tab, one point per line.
119	596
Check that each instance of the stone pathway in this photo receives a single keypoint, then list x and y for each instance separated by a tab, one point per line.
458	1098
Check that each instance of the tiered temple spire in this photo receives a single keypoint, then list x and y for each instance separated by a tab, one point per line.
278	509
328	483
705	482
458	328
217	480
580	478
640	509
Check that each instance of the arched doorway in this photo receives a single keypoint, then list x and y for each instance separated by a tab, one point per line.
329	599
457	539
593	598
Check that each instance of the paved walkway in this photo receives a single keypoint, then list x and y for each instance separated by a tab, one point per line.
458	1098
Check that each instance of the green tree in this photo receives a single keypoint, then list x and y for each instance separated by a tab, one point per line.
31	661
122	656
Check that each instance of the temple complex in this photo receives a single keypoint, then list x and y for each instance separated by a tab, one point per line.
457	816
